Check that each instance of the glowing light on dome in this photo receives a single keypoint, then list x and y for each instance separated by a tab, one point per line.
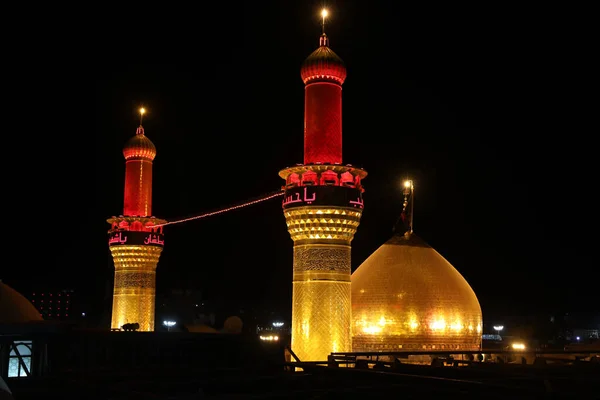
439	324
456	326
372	329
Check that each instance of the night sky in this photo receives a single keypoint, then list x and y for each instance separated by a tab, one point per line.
474	105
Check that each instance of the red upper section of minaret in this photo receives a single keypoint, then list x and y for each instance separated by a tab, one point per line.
323	73
139	153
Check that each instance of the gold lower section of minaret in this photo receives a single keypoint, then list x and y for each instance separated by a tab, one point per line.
135	285
321	304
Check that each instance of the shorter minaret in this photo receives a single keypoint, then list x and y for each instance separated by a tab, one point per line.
136	239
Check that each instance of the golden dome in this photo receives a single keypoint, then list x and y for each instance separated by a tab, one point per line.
406	296
15	308
139	146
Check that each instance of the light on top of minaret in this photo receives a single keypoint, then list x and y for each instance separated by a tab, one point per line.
142	112
324	14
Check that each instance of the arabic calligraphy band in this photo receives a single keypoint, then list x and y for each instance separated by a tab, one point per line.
336	196
133	238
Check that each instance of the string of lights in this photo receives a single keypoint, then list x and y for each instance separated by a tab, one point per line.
270	196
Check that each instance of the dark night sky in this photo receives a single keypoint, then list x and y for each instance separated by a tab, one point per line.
475	105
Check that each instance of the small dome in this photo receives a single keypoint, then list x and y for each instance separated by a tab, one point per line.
406	296
323	65
201	328
233	324
139	146
15	308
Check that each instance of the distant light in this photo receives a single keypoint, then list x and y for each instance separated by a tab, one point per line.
406	184
578	338
324	13
169	323
269	338
142	110
277	324
83	314
518	346
498	327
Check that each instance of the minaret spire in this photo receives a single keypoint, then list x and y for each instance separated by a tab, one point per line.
324	14
140	129
142	112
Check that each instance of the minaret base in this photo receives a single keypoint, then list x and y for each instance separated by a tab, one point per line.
322	206
134	285
321	306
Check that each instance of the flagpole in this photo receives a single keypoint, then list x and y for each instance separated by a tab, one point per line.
412	204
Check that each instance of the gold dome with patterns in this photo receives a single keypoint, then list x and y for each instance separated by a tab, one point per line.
407	297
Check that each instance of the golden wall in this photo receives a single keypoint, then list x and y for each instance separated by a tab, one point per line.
134	285
321	306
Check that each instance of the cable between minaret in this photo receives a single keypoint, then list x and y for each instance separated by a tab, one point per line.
270	196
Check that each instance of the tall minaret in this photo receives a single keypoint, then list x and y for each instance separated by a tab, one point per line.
322	207
135	240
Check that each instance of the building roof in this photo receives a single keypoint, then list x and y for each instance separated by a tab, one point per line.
15	308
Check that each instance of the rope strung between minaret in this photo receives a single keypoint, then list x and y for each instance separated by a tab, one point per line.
269	196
